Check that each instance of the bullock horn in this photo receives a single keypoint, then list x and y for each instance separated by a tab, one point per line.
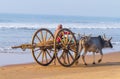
104	36
110	38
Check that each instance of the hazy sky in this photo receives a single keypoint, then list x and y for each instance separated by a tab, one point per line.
109	8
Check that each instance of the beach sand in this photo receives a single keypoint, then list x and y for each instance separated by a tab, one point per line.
109	68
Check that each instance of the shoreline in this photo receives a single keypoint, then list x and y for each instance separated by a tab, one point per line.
27	63
20	58
109	68
89	55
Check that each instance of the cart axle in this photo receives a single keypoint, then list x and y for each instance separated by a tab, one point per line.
24	46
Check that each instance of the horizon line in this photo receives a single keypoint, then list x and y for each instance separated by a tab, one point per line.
60	15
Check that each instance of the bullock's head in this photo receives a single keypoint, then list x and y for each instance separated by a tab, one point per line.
86	37
107	42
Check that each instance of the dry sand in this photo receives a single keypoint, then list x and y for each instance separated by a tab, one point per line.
109	68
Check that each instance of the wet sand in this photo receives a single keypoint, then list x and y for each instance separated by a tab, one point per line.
109	68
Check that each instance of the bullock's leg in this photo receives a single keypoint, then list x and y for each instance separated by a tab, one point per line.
93	57
101	53
83	57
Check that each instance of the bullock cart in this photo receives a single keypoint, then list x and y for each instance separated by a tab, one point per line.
45	47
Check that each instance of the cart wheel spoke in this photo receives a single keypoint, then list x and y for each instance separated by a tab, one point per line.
72	50
49	38
45	36
36	50
38	38
42	35
70	40
39	54
42	56
63	36
61	56
66	41
68	58
65	58
46	57
49	54
71	55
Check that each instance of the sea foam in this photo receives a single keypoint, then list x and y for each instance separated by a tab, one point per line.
54	25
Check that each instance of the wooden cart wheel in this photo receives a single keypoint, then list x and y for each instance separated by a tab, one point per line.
43	55
66	47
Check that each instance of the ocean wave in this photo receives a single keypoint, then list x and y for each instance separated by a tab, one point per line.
14	51
116	43
54	25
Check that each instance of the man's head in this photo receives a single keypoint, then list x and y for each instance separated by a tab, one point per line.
59	26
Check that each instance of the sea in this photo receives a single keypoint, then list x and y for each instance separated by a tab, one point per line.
17	29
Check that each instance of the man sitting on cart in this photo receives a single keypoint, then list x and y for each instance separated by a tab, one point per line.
59	27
